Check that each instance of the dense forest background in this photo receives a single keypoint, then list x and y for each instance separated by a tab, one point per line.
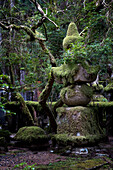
21	53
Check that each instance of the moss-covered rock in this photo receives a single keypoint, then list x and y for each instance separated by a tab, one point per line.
76	95
24	115
82	121
31	135
72	72
72	36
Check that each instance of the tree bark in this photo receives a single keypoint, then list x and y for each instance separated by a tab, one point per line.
42	100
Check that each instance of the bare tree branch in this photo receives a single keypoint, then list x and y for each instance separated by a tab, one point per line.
22	27
38	7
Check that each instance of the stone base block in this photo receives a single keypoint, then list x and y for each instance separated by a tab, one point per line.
78	121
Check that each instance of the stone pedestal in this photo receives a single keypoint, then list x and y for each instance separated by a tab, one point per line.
78	121
78	125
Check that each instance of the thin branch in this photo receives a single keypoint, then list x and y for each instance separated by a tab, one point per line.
83	30
38	7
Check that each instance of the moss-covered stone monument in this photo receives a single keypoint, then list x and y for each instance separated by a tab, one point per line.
76	119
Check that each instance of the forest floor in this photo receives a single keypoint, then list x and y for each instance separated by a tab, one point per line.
97	157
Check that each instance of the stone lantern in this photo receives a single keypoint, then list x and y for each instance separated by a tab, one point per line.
76	119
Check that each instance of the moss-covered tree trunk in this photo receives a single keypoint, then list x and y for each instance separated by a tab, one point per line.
43	98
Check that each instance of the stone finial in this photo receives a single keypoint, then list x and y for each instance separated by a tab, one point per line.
72	36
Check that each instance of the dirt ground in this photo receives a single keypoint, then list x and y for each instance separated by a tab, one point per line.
24	156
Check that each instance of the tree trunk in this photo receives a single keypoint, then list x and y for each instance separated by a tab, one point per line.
43	97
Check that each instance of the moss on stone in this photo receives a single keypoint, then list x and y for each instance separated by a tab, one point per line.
101	104
98	87
99	98
66	139
76	95
14	106
72	36
64	90
26	118
65	73
109	87
78	120
31	135
87	90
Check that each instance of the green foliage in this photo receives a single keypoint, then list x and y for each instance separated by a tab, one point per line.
94	18
25	166
77	53
5	85
94	53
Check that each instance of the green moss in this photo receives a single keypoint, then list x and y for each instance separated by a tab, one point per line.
31	135
72	36
109	87
24	111
98	87
74	94
77	163
87	90
74	120
64	90
72	30
99	98
90	164
14	106
101	104
65	73
65	139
